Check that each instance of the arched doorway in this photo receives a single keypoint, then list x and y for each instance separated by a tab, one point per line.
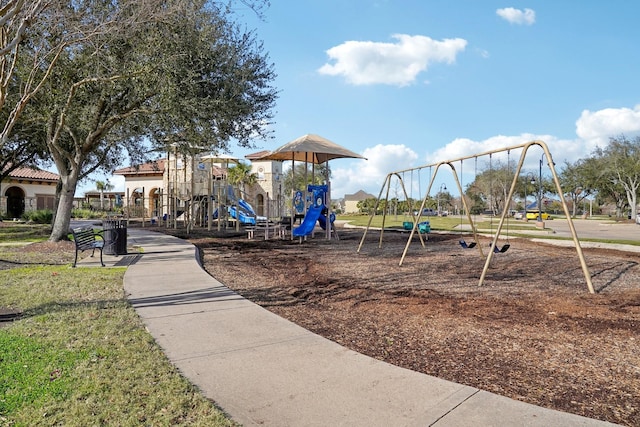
136	203
155	203
260	205
15	202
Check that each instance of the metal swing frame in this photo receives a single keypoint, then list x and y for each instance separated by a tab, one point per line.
462	242
493	245
525	147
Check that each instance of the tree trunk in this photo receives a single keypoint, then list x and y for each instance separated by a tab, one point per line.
632	204
62	220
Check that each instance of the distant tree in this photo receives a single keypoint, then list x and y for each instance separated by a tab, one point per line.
490	187
614	173
304	174
444	198
576	183
366	206
103	186
623	160
524	188
241	176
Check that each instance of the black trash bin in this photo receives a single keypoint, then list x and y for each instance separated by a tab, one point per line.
115	236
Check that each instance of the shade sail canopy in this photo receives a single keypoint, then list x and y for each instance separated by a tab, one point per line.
312	149
220	158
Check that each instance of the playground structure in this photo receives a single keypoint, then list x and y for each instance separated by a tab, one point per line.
239	209
191	188
197	192
316	212
504	214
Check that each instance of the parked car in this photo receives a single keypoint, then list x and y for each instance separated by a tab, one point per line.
519	215
534	215
427	212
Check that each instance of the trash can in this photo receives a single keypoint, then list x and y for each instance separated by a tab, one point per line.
115	236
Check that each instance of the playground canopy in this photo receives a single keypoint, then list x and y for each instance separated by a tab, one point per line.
311	149
220	158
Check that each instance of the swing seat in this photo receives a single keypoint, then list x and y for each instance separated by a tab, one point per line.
501	250
466	245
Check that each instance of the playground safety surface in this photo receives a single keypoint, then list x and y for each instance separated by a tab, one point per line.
532	332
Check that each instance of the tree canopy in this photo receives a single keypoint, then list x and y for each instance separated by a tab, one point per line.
302	174
613	174
178	74
240	175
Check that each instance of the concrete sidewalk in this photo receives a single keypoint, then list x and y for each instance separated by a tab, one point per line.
264	370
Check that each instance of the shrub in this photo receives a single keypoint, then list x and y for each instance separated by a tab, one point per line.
44	216
86	214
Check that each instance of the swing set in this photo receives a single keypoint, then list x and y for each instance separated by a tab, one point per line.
462	242
505	210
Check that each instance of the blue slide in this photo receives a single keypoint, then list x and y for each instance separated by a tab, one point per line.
323	220
246	206
309	222
245	213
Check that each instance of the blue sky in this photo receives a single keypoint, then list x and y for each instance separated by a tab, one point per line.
408	83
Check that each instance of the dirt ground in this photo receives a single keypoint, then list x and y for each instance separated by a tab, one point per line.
532	332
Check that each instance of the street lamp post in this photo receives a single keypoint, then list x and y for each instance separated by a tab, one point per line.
540	190
530	178
442	188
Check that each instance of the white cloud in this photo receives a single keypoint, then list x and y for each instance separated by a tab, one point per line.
369	175
517	16
593	129
561	150
384	159
367	62
597	127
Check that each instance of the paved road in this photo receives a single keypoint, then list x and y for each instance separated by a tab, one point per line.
594	229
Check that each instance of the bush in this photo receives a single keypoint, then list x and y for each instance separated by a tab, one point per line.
86	214
44	216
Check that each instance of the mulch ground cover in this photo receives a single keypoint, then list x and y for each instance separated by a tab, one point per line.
532	332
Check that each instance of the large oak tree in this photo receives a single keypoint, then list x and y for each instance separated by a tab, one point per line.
177	74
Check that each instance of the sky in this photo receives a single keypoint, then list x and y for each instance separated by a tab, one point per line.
415	82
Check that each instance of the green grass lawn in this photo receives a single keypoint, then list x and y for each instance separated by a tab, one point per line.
446	223
512	227
21	233
80	356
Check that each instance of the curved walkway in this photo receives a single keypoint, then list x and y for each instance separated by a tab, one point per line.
266	371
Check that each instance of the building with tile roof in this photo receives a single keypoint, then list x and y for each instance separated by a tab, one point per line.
267	195
27	189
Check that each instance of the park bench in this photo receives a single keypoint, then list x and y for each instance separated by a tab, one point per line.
85	239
